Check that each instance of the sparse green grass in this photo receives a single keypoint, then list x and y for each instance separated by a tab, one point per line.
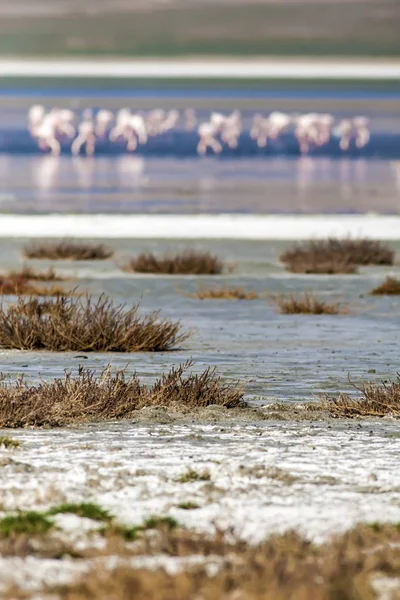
129	534
192	475
84	509
7	442
132	533
157	522
31	523
188	505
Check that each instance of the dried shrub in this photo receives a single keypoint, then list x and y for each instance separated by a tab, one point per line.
284	567
307	304
188	262
30	274
13	286
391	286
86	325
223	293
375	401
67	250
109	396
20	286
336	256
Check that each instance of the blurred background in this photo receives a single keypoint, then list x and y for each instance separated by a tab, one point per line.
335	149
200	27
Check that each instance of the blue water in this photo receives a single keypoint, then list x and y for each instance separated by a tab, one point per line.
166	175
183	144
29	91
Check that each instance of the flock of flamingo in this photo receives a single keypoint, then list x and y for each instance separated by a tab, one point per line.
134	128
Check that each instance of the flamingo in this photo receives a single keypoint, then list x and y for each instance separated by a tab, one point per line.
306	130
362	132
259	130
86	135
35	116
344	131
190	119
46	132
170	121
278	123
103	120
207	132
65	122
153	121
135	132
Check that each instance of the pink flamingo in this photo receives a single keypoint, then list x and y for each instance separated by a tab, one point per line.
207	133
154	119
35	116
260	130
190	119
170	121
104	118
362	132
86	135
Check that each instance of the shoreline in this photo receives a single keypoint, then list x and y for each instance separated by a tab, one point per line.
197	227
190	68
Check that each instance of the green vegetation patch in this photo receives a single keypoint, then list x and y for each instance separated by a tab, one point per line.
88	510
31	522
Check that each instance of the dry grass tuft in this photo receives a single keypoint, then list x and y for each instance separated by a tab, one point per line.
30	274
391	286
67	250
84	324
19	286
191	475
188	262
20	282
336	256
307	304
87	398
223	293
285	567
15	286
375	401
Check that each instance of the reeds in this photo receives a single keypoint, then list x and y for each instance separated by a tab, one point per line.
188	262
375	401
18	285
307	304
89	398
67	250
389	287
223	293
336	256
84	324
30	274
